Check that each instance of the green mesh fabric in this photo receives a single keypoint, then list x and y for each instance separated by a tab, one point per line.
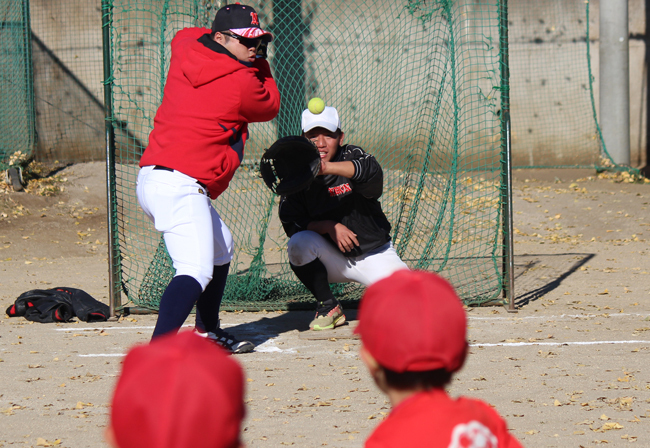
551	87
68	89
17	131
417	84
51	91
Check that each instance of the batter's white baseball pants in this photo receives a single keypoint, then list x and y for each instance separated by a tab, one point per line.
304	247
196	237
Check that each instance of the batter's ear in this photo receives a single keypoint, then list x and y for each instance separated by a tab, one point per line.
218	38
341	138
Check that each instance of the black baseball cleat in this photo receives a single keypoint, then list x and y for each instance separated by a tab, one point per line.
227	341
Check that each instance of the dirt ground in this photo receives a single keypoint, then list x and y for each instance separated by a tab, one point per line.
565	370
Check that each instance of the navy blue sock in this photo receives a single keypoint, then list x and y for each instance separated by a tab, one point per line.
176	304
207	307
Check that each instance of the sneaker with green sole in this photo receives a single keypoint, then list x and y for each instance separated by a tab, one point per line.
328	320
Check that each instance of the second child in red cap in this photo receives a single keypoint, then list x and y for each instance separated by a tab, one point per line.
414	358
181	392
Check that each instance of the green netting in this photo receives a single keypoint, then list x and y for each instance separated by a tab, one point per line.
417	84
51	90
68	90
551	87
17	133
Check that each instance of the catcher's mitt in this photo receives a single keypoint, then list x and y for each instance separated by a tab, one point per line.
290	165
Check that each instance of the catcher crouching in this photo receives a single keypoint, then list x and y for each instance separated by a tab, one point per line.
337	229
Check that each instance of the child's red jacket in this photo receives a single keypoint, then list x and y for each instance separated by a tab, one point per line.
432	419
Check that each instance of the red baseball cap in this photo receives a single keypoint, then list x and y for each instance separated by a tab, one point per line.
179	391
413	321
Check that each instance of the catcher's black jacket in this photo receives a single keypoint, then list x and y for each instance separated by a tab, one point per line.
352	202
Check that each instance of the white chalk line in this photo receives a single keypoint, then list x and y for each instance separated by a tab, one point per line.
149	327
514	317
270	347
511	318
143	327
557	344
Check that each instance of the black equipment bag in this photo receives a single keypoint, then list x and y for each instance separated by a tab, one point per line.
58	305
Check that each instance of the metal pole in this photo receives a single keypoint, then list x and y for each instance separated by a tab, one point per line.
114	296
615	79
506	161
509	271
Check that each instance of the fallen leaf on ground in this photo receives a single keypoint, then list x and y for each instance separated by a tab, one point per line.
626	401
42	442
612	425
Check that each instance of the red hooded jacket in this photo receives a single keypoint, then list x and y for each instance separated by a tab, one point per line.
201	127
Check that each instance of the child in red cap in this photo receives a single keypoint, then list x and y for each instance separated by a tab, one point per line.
412	327
180	391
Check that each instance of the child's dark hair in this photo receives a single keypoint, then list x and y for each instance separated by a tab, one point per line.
428	379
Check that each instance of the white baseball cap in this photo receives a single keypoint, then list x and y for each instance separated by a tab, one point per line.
328	119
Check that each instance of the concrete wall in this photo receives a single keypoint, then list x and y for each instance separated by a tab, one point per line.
68	74
639	41
551	103
72	30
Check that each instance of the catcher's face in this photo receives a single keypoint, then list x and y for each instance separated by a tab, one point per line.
326	141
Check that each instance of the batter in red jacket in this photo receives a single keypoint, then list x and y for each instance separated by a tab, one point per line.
218	82
413	334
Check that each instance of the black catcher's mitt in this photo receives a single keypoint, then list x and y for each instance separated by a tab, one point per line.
290	165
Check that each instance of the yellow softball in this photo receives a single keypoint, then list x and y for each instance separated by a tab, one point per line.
316	106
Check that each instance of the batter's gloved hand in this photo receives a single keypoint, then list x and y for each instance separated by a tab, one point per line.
290	165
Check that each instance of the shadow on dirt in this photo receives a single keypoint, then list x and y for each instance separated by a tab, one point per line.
268	328
538	274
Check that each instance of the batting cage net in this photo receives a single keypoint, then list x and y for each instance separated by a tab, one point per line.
52	99
17	131
551	86
418	84
51	91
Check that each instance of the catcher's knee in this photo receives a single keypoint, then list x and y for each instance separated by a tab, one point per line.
303	247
